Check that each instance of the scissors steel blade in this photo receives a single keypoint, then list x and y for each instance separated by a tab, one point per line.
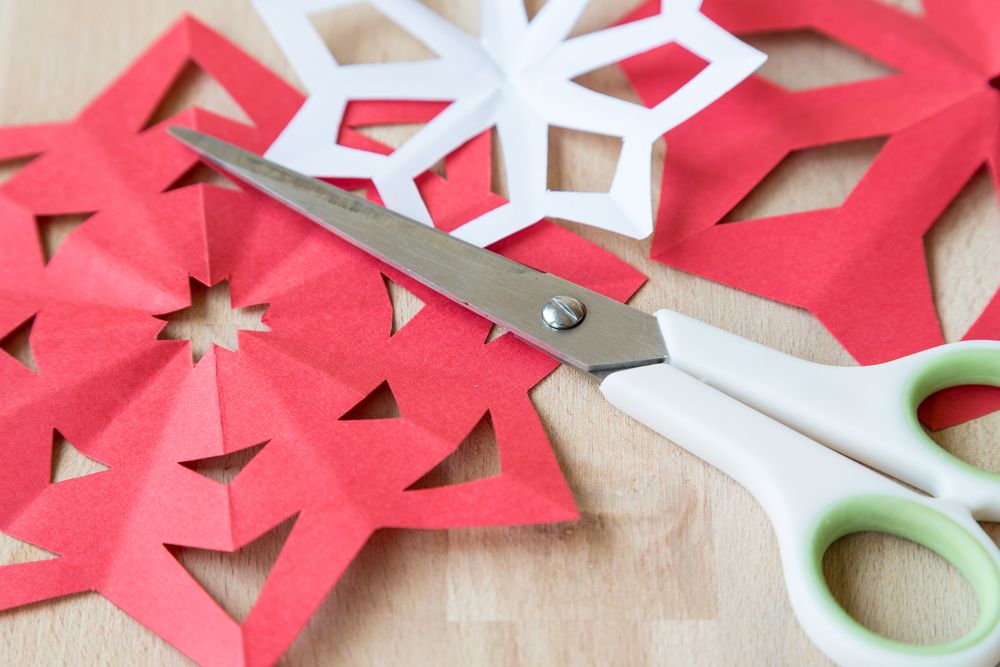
611	335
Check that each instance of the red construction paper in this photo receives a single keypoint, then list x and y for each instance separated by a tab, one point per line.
860	268
142	407
89	162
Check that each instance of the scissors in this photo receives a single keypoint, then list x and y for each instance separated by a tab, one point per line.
792	432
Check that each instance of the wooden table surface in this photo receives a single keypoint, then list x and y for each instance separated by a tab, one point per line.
672	563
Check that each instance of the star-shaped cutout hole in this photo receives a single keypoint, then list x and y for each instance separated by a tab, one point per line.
211	319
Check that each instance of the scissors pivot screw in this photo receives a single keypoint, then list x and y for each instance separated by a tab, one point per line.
563	312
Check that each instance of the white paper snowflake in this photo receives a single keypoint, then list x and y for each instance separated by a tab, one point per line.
517	76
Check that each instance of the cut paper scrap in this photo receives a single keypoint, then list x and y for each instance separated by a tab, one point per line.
516	76
143	409
109	151
860	267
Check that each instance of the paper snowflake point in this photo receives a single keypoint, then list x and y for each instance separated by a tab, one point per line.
517	77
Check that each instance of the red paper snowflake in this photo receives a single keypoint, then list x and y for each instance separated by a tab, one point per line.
860	268
141	407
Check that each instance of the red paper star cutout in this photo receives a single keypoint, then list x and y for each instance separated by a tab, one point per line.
860	268
142	408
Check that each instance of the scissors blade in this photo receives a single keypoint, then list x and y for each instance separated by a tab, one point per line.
611	335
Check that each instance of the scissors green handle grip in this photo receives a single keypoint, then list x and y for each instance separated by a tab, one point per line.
761	416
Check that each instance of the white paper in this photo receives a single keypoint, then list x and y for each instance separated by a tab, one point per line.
517	75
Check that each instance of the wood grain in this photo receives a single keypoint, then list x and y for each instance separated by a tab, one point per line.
672	562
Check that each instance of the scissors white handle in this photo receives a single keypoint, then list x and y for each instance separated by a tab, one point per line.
867	413
813	495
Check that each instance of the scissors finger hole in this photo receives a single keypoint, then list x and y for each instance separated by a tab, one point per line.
875	575
961	367
920	523
972	441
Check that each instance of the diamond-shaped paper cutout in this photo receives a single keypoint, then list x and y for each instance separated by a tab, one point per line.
808	180
806	59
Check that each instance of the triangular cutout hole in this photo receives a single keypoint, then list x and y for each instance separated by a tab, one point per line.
14	551
18	344
202	174
962	249
225	467
379	404
234	579
495	332
405	304
477	457
8	168
805	59
68	462
54	230
809	179
193	87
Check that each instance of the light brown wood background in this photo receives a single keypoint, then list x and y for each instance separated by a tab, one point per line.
672	562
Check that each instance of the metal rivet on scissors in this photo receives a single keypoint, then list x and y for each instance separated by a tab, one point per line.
563	312
754	413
